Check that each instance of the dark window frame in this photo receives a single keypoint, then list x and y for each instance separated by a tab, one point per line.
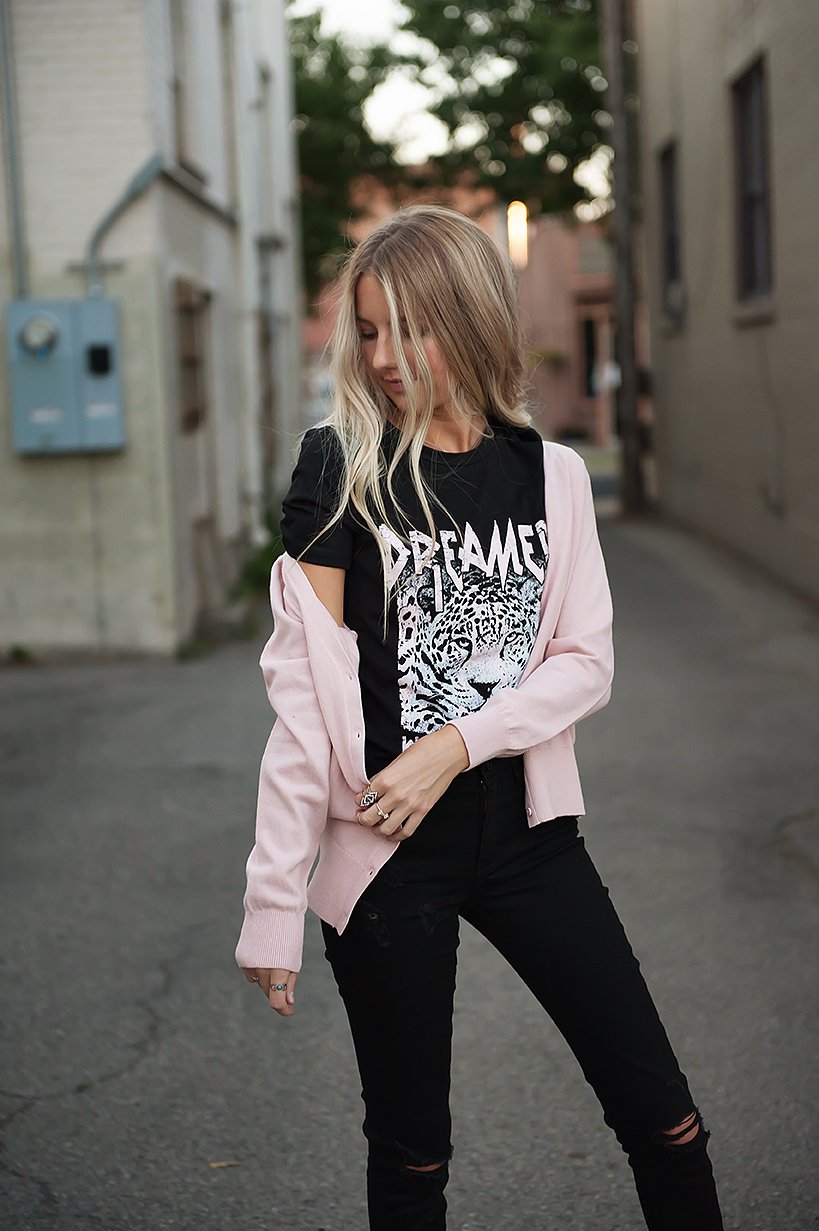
191	304
750	98
589	358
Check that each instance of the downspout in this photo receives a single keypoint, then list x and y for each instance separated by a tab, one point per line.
93	268
152	169
13	177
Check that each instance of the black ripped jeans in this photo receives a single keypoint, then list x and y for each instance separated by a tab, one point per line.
536	896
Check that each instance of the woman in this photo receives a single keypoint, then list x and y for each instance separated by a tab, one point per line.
446	625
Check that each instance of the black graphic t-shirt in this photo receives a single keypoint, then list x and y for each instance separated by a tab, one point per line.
462	620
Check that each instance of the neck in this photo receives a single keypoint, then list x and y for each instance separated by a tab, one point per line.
451	435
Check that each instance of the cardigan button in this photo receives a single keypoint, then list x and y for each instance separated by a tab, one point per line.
528	811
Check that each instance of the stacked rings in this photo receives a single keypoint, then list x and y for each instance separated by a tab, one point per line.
369	798
274	987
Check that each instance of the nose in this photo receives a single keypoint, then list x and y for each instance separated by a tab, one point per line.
384	354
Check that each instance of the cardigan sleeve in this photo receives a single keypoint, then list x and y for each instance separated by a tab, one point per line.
576	674
292	804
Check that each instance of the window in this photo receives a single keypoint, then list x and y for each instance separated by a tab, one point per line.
177	13
753	191
671	259
183	92
191	305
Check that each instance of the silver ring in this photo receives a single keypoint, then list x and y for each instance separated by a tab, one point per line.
369	797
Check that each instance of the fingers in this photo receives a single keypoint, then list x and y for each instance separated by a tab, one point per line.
369	803
401	830
399	823
389	825
391	820
407	828
280	987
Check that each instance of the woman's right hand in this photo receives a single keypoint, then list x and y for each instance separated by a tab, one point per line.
282	999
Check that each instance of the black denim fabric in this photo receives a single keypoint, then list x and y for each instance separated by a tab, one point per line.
537	897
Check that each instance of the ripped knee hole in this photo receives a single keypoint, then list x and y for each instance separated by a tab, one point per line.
688	1132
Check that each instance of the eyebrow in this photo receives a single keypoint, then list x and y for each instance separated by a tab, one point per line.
362	320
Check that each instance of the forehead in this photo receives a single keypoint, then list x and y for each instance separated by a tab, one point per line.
370	300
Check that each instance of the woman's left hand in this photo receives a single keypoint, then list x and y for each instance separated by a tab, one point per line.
411	784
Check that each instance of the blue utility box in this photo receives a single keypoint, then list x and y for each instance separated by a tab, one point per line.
65	375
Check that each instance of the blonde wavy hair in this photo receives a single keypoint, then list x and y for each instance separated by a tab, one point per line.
440	274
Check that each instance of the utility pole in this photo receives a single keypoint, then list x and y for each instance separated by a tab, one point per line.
632	485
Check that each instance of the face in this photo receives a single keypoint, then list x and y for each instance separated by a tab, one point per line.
375	332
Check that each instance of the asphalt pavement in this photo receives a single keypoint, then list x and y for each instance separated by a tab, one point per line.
146	1085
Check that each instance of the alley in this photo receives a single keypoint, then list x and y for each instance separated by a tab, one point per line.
146	1085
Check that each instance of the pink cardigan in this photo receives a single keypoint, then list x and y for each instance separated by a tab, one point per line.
312	769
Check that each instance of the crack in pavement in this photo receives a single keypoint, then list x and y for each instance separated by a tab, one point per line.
789	843
145	1046
28	1100
48	1196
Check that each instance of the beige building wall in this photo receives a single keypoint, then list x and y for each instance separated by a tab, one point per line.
736	384
130	550
566	296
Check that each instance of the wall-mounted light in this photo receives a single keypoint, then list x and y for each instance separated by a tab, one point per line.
517	230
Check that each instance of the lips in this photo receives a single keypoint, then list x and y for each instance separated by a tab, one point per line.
395	386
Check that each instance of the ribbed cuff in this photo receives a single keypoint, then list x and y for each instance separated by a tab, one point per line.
271	940
485	732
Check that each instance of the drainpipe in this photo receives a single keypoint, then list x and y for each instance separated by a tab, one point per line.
614	33
13	177
152	169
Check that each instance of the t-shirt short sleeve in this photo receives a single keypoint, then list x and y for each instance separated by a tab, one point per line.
311	501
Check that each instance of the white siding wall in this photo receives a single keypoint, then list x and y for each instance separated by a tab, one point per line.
84	557
125	552
103	552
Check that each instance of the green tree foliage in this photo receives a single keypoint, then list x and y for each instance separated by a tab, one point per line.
519	88
332	83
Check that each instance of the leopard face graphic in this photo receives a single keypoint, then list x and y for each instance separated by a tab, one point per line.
467	621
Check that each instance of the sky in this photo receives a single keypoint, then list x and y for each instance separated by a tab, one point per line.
397	104
362	22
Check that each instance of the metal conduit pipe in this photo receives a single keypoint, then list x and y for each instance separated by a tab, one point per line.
152	169
12	156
